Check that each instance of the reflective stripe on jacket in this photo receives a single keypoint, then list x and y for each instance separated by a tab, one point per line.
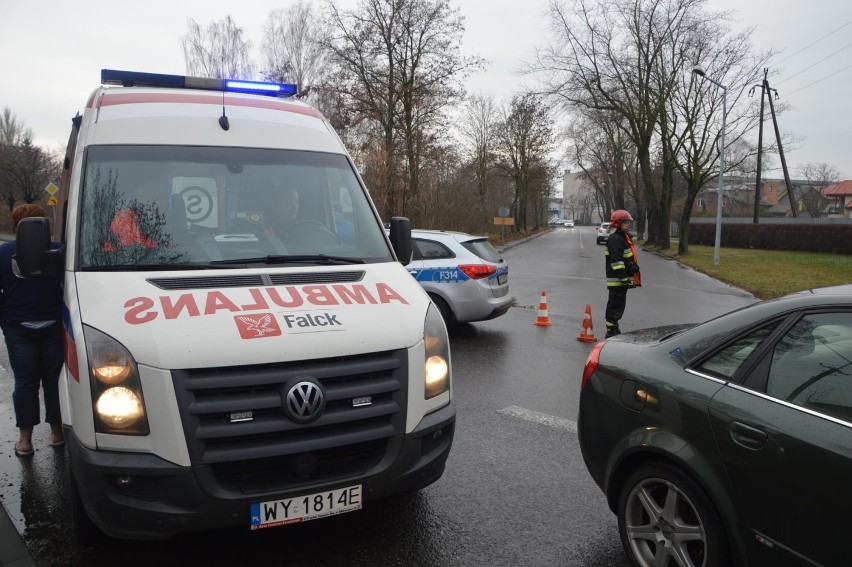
620	261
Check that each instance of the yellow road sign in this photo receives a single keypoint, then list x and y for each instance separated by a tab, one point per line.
52	201
52	189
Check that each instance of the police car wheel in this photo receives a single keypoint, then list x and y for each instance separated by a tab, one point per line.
444	309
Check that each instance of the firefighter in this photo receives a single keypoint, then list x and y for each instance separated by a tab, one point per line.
622	270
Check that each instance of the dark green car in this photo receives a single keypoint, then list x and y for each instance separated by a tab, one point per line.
729	442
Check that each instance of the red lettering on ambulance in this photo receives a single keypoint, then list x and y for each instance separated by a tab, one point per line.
294	301
319	295
216	300
185	301
259	301
139	310
358	294
386	294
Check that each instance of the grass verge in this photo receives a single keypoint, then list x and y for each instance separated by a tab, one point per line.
767	273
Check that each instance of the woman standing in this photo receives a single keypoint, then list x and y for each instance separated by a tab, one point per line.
30	317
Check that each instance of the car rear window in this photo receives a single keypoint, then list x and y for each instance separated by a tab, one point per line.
482	248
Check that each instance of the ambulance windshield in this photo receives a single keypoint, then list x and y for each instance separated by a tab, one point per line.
164	206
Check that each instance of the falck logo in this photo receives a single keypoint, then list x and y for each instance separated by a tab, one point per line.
257	326
304	401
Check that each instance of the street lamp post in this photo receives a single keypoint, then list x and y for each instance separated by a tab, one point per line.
716	251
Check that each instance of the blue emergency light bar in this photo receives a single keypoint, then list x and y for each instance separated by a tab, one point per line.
137	79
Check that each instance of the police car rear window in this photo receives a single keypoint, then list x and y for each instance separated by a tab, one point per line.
483	248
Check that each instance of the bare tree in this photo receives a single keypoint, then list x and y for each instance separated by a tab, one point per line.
219	50
398	63
695	108
622	56
293	46
12	132
812	196
605	155
25	171
525	141
476	127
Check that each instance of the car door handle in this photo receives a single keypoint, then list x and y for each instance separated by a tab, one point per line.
747	436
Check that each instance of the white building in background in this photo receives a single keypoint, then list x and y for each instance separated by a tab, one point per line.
561	202
574	187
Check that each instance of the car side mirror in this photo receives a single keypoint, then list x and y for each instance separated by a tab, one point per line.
400	238
34	254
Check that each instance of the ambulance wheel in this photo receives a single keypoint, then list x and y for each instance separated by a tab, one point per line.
446	312
82	526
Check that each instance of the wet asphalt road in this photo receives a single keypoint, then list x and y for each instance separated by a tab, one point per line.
515	492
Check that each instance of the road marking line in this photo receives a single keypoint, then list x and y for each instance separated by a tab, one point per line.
542	418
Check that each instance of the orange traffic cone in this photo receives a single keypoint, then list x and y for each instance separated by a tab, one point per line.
542	320
587	335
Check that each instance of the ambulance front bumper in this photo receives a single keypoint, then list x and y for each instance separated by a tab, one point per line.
141	496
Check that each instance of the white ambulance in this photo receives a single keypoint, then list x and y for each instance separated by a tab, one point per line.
227	363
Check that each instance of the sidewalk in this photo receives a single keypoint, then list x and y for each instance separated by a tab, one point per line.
13	552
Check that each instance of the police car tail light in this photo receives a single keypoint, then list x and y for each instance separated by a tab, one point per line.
116	388
436	371
478	271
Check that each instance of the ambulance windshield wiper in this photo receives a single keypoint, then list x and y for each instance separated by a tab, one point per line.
285	259
147	267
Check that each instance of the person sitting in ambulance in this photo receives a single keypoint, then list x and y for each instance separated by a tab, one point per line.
125	231
285	211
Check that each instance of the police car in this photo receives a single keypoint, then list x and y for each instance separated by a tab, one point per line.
463	274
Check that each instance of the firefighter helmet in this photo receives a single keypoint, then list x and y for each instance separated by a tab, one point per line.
618	217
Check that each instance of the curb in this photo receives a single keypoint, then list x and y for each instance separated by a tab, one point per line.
511	244
13	552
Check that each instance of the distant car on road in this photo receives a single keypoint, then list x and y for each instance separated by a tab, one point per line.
464	275
568	223
603	232
729	442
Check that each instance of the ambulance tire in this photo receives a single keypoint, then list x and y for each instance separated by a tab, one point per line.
446	312
82	526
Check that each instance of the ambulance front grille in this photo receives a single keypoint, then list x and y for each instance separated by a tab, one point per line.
237	430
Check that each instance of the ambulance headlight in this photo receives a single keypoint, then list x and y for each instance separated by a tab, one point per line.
119	407
437	363
116	387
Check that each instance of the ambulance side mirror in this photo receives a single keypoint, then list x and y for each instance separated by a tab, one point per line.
400	238
34	254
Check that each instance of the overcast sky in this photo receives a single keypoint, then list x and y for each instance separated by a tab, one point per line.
52	51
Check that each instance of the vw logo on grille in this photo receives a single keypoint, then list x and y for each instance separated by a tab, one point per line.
304	401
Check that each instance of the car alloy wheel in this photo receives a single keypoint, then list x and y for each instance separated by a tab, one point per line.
666	519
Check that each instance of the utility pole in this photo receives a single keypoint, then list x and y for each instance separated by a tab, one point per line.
757	184
790	195
765	90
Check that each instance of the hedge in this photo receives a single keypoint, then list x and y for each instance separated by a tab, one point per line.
830	238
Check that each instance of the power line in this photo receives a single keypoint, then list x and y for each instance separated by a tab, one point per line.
815	42
815	64
819	80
